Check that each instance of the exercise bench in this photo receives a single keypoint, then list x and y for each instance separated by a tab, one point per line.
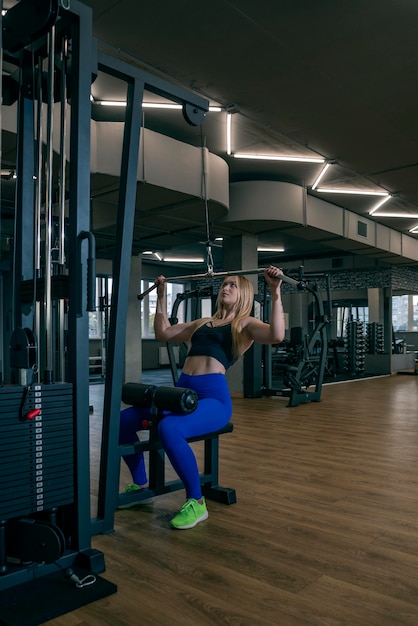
176	400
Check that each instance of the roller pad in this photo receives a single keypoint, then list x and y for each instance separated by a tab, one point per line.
138	394
175	399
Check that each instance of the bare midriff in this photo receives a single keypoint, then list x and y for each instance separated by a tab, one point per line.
199	365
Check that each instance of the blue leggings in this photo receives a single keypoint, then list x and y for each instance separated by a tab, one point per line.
213	412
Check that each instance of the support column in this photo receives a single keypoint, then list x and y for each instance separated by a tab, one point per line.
387	320
375	299
378	313
133	340
240	254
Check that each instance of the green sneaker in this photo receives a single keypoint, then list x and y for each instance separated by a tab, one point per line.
190	514
131	489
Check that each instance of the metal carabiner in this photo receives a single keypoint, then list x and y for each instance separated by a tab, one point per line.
209	259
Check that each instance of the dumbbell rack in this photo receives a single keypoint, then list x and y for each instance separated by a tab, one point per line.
36	459
355	348
375	338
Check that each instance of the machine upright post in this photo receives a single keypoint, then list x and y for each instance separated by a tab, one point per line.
117	333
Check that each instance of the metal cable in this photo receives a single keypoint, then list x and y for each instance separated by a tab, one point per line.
209	256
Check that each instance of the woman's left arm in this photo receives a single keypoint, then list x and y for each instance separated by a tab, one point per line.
274	331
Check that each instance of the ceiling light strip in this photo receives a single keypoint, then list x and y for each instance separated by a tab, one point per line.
151	253
262	249
183	259
228	133
404	216
379	204
276	157
110	103
356	192
150	105
321	175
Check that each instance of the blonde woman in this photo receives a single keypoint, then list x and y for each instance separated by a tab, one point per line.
216	343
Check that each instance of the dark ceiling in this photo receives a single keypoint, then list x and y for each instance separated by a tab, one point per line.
331	79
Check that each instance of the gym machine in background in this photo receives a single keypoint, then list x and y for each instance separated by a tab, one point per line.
302	368
195	297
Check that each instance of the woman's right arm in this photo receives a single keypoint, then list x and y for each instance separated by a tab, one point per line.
163	330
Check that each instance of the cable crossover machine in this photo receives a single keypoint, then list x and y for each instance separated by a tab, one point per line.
44	462
49	61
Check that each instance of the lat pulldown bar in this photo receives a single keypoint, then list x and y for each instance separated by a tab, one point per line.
286	279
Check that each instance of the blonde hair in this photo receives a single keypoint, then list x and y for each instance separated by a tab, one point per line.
242	309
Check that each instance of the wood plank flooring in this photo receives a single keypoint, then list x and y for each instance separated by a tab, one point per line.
324	532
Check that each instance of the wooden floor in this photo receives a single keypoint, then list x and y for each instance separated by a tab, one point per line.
325	530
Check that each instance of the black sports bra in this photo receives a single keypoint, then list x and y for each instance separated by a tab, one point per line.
213	341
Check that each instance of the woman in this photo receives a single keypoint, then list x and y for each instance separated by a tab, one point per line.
216	343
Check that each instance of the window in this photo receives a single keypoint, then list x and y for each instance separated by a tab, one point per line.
414	312
206	305
350	313
149	303
98	319
405	313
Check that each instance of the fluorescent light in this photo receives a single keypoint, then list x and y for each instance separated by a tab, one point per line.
228	132
357	192
110	103
149	105
273	157
155	105
183	259
150	252
414	229
379	204
399	215
261	249
324	169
